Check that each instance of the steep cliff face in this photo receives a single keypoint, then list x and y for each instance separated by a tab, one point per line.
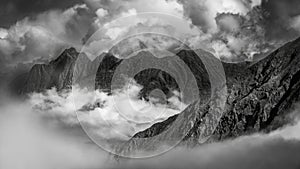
152	74
261	93
57	73
259	96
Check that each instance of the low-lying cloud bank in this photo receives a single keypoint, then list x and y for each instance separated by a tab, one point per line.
116	116
31	140
26	141
277	150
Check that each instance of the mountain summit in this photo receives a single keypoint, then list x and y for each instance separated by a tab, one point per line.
259	96
57	73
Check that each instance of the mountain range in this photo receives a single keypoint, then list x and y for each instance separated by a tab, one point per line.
259	94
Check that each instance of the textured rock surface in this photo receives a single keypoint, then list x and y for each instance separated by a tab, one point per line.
57	73
147	71
67	69
259	96
261	92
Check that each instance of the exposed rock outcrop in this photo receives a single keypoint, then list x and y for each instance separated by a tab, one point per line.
58	73
165	74
259	96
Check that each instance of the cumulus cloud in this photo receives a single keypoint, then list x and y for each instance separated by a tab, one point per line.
14	10
203	12
259	26
3	33
44	36
130	26
101	12
233	30
228	28
117	116
116	8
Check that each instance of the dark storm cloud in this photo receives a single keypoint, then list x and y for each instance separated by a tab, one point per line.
14	10
277	18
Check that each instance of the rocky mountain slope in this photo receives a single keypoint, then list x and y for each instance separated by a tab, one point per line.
58	73
167	74
67	69
71	68
259	96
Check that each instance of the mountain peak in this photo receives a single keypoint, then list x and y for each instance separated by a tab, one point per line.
57	73
259	97
67	54
70	52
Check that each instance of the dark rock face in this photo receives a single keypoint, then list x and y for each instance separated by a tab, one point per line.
71	68
85	71
156	128
58	73
261	93
105	72
259	96
153	77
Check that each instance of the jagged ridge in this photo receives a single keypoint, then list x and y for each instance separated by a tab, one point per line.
259	96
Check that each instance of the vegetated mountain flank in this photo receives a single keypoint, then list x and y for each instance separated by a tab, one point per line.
259	96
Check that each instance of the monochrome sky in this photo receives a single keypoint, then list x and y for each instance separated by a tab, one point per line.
35	31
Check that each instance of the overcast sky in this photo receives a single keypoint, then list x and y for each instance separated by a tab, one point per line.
34	31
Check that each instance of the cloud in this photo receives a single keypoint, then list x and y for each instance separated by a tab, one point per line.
117	116
233	30
228	29
246	153
203	13
277	15
115	8
30	139
295	23
229	23
278	149
101	12
44	36
15	10
3	33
